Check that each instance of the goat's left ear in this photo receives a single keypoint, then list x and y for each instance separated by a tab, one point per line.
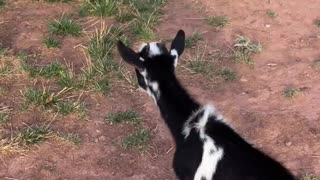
177	46
129	56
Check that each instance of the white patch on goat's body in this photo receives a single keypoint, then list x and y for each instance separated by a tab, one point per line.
210	158
211	153
174	52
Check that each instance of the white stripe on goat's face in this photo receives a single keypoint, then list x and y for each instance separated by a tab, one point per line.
152	87
153	50
212	154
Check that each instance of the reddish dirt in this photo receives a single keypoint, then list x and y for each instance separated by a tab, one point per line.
288	129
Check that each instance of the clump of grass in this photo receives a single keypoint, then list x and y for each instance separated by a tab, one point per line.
3	51
126	14
99	7
5	70
291	92
137	140
102	86
4	117
54	69
271	13
143	31
127	116
68	107
192	40
2	3
228	75
33	135
39	97
244	48
217	21
101	45
51	42
310	177
71	137
65	27
318	23
63	1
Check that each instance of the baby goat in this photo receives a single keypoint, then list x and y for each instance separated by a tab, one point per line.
206	147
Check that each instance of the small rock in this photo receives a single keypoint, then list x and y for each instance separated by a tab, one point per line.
96	140
102	138
268	25
98	131
271	64
288	144
243	79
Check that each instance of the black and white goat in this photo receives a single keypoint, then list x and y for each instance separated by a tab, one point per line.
206	147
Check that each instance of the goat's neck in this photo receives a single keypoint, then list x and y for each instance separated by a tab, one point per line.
176	106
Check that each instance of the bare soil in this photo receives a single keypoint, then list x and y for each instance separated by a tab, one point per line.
254	104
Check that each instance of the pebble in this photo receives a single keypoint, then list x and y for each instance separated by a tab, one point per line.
243	79
102	138
288	144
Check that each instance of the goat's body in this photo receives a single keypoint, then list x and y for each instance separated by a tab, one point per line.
238	160
226	156
206	147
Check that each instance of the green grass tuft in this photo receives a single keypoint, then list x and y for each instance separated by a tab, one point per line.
127	116
2	3
192	40
3	51
63	1
102	86
65	27
4	117
126	14
39	97
101	46
244	48
33	135
99	7
137	140
51	42
54	69
218	21
71	137
318	23
291	92
68	107
228	75
271	13
143	31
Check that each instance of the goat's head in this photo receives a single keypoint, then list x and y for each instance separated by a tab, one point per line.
154	63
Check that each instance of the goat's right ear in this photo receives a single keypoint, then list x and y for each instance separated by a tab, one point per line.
179	42
129	56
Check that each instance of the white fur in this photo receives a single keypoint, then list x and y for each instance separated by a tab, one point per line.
141	59
174	52
211	153
154	86
154	49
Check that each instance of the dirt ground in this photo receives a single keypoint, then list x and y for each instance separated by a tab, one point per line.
286	128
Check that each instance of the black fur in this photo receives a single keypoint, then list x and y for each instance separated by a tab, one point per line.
240	161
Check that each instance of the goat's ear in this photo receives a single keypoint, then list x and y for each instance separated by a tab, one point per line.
129	56
178	42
